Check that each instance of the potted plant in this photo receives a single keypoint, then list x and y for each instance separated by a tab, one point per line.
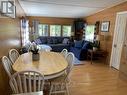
35	53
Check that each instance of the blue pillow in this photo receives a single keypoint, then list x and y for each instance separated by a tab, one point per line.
86	45
78	44
38	41
65	41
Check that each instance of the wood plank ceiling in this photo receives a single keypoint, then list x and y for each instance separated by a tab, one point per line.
66	8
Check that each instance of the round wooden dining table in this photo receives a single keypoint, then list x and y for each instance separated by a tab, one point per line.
50	64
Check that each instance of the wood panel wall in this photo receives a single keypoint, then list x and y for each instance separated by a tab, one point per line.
107	15
50	20
9	38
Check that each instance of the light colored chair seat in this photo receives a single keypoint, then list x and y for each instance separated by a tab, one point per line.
32	93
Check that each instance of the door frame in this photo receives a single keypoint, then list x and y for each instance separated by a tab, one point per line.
118	13
124	12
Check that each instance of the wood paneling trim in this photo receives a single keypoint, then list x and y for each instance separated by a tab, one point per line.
51	20
9	38
107	15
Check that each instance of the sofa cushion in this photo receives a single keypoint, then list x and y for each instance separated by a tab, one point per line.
43	40
59	47
49	41
78	44
60	39
54	40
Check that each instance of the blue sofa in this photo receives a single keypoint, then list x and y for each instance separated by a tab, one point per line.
56	43
80	49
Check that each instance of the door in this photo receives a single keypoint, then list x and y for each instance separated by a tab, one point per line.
119	32
123	62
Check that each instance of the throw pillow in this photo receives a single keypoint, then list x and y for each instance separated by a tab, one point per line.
59	39
78	44
86	45
38	41
65	41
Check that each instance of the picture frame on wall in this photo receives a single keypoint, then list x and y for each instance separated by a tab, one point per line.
105	26
8	9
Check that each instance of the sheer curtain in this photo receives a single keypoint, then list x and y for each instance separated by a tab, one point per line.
35	30
24	31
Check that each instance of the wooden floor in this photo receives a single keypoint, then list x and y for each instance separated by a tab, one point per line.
96	79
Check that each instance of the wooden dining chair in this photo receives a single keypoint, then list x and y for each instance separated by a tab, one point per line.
7	64
70	59
13	55
26	82
64	52
32	93
60	84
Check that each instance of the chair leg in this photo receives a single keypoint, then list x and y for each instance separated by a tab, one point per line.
67	90
55	87
59	87
51	89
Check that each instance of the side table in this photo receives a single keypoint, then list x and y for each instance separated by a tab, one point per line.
97	54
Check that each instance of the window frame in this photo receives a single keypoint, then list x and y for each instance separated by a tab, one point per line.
48	28
61	30
66	25
93	32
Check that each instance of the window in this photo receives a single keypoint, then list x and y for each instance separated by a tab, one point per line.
24	31
66	30
89	33
43	30
55	30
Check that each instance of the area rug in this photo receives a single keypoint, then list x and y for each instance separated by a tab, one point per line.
77	62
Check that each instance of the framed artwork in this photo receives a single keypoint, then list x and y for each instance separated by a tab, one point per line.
105	26
8	9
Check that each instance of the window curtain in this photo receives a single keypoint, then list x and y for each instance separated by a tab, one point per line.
24	31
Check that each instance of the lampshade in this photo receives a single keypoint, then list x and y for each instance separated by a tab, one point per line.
72	33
